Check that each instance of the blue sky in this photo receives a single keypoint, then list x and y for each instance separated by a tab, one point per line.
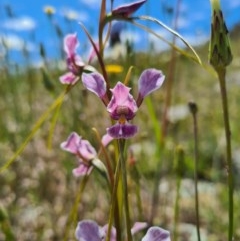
30	26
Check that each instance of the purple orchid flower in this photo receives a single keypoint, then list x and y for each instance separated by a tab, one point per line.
137	227
89	230
126	10
157	234
84	151
122	106
74	62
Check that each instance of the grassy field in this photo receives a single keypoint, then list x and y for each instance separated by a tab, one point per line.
37	190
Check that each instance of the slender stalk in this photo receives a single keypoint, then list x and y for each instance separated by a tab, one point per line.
176	209
73	214
159	155
138	193
170	80
101	26
121	144
114	206
222	81
179	165
193	109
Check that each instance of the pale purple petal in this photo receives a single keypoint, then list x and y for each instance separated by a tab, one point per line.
106	139
75	65
150	80
72	143
68	78
81	170
157	234
122	103
86	150
122	131
138	226
78	61
113	236
70	44
89	230
95	83
127	9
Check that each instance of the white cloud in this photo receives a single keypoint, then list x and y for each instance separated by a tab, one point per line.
158	44
182	22
14	42
20	24
131	36
72	14
194	39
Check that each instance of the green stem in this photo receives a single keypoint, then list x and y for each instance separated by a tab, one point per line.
138	194
222	81
121	144
101	26
73	214
179	168
193	108
171	76
114	206
176	209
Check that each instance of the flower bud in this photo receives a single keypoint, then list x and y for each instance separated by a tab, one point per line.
220	54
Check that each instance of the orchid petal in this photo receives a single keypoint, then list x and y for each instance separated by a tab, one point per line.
86	150
150	80
70	44
122	131
81	170
127	9
106	139
113	236
138	226
95	83
76	145
88	230
72	143
157	234
68	79
76	60
122	103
